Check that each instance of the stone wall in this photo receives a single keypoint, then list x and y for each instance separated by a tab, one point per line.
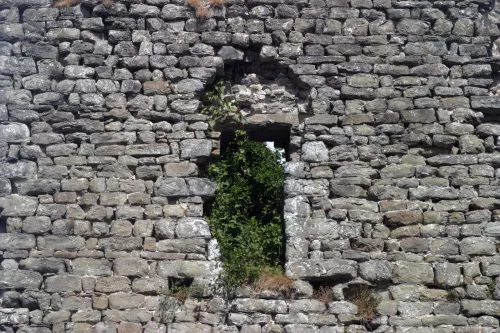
391	179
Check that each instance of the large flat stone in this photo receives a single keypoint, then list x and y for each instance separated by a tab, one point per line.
312	269
171	187
483	307
186	269
16	241
485	103
14	132
12	279
410	272
14	65
16	205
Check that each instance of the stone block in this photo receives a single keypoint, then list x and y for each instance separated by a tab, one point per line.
408	272
15	279
321	269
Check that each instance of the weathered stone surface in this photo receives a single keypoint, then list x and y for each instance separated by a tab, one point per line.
314	152
258	305
192	148
64	243
407	272
321	269
112	284
13	317
375	270
186	269
16	205
36	225
93	267
14	132
201	187
14	65
130	267
15	241
148	150
475	308
448	275
478	246
13	279
43	265
171	187
63	284
192	227
149	285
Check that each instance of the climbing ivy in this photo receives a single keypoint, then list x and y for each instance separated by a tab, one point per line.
246	217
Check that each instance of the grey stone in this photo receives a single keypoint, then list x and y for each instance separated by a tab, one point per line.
171	187
153	149
193	148
14	132
15	205
43	265
149	285
61	242
475	308
342	307
192	227
14	316
112	284
187	86
321	269
186	269
18	97
92	267
20	279
258	305
36	224
14	65
122	301
314	152
201	187
448	275
130	267
478	246
407	272
375	270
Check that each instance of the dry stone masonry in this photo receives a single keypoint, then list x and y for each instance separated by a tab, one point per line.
391	111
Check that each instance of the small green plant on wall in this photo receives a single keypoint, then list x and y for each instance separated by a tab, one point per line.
219	108
246	216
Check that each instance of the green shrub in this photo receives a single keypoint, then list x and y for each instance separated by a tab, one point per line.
247	214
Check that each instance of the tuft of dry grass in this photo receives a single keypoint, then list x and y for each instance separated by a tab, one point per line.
275	281
216	2
69	3
195	3
107	3
66	3
323	293
201	10
366	301
182	293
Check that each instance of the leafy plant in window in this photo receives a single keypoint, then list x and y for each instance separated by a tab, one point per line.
246	216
